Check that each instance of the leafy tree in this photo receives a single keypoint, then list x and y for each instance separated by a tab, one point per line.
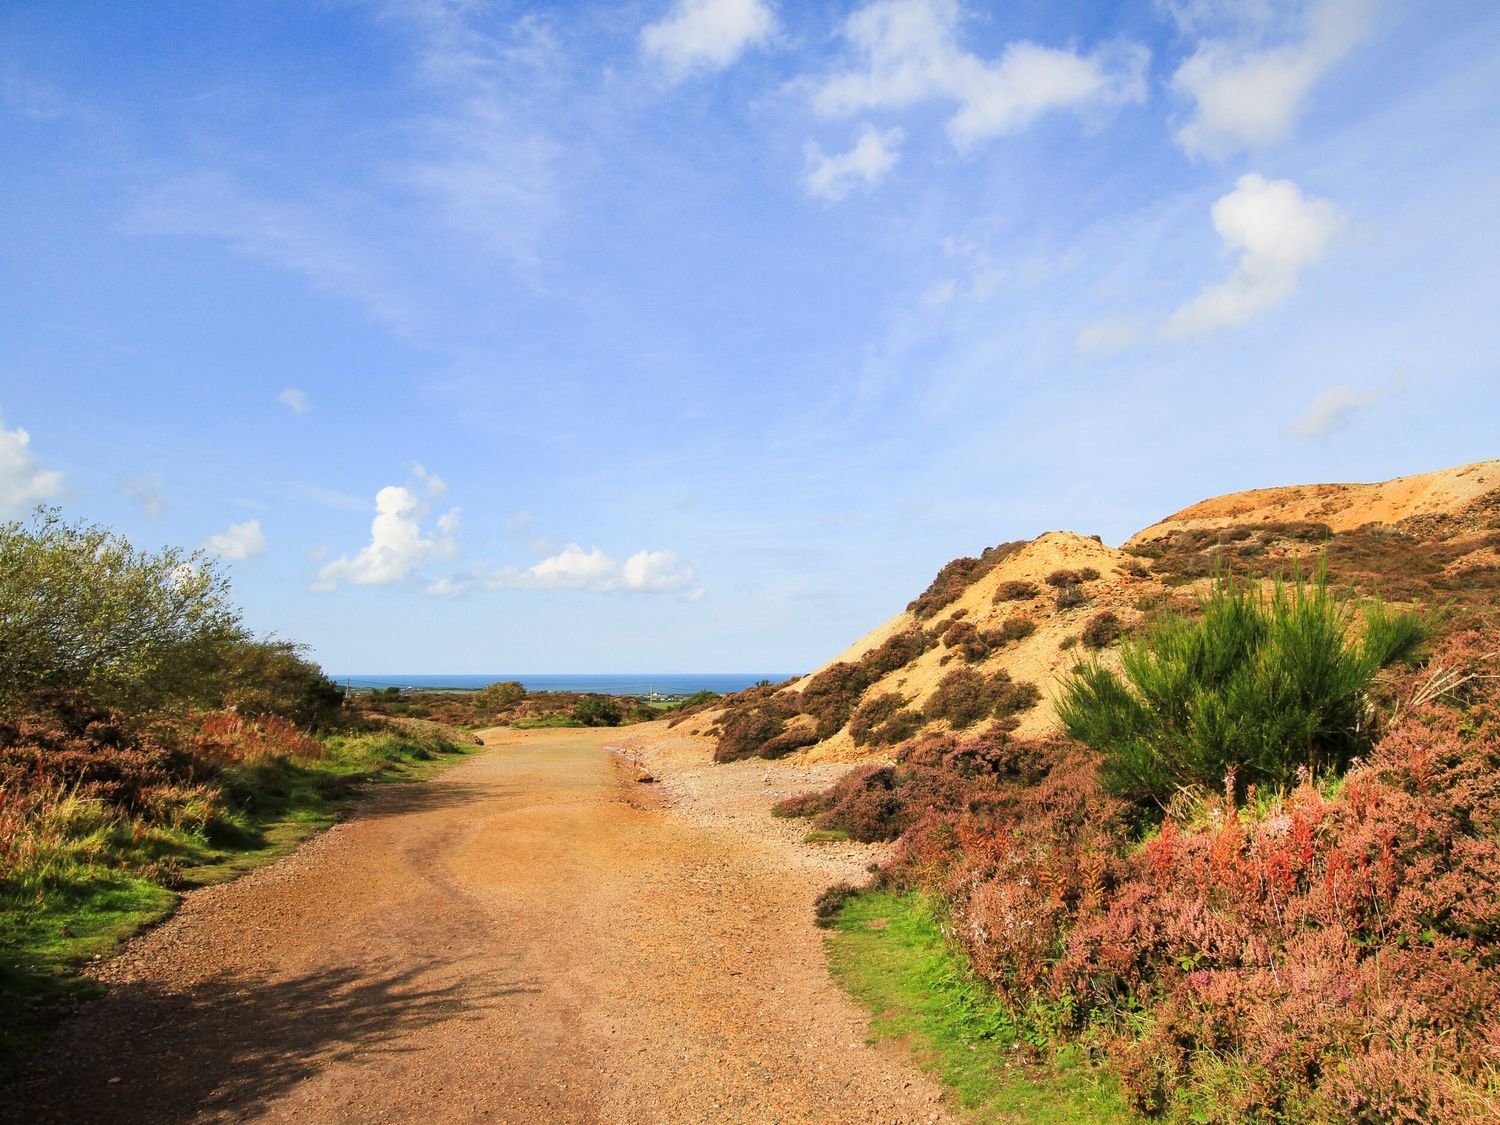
81	609
1258	683
597	711
502	695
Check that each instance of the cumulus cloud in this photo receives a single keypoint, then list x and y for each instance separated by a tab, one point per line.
908	53
656	571
238	541
1277	233
707	35
573	568
398	546
873	156
23	482
295	399
1248	87
1334	408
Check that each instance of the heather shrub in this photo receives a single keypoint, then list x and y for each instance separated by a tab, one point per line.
827	905
1015	591
831	696
964	696
1070	595
965	640
745	729
896	651
1101	630
1016	627
505	694
958	576
1260	684
795	737
872	714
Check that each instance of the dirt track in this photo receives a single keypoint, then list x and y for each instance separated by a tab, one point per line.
531	937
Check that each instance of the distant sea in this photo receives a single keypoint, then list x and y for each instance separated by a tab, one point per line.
643	683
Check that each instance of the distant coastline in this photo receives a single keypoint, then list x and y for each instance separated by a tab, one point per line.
633	683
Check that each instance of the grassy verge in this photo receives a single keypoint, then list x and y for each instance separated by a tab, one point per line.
889	953
114	876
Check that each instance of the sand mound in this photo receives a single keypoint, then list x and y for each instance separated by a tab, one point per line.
1342	507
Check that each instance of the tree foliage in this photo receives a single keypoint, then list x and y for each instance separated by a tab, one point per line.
81	609
1259	683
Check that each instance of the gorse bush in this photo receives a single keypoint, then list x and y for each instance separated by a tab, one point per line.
1260	684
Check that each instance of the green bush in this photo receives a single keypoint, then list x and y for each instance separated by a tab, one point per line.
597	711
83	610
501	696
1257	685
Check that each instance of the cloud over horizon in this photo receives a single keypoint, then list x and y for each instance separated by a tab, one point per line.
398	547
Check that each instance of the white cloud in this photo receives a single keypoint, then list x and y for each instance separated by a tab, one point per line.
873	156
1109	337
23	482
238	541
295	399
909	53
573	568
1277	233
707	35
397	547
1248	90
1335	407
656	571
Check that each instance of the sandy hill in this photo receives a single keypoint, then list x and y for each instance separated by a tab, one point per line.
984	647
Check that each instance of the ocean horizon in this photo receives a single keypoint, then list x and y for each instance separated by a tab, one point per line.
603	683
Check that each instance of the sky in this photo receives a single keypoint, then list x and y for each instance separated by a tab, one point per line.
696	335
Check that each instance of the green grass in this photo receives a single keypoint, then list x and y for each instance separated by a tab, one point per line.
91	900
889	953
826	836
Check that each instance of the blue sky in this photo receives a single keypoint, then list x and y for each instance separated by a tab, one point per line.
697	334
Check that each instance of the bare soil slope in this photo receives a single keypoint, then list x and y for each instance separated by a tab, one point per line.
531	937
1433	538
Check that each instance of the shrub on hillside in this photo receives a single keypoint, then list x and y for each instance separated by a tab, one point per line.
1261	684
831	696
1016	627
1070	596
746	729
958	576
896	651
1101	630
1016	591
597	711
872	713
964	696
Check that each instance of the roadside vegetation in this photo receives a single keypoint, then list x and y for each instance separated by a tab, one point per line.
509	704
1253	881
150	743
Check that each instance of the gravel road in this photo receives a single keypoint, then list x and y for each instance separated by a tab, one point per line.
534	936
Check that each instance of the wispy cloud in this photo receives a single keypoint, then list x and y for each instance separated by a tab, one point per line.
573	568
145	490
908	53
871	159
1336	407
1248	86
238	541
295	237
707	35
398	545
23	482
1277	233
295	399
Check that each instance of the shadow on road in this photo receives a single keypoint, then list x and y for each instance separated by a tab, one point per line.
227	1046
